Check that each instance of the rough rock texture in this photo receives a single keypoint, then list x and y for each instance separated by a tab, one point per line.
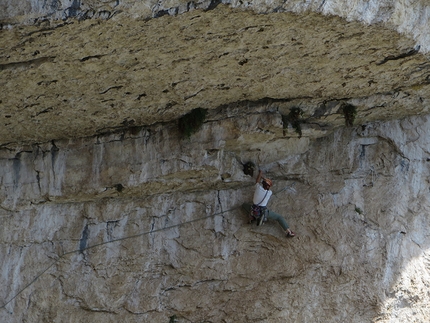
84	78
406	16
143	227
110	214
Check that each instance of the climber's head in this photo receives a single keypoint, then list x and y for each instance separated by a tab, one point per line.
267	183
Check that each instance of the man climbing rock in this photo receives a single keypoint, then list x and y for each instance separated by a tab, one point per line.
258	210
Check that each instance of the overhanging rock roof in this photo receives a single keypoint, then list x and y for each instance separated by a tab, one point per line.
65	79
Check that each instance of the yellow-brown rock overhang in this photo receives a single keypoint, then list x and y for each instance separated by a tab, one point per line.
79	78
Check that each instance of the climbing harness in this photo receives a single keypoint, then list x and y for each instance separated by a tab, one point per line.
259	212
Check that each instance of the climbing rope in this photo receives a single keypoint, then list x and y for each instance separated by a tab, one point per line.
373	174
122	239
288	187
108	242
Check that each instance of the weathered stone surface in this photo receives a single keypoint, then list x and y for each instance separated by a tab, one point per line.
173	242
410	17
109	215
78	79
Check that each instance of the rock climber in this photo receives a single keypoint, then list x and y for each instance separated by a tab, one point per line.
258	210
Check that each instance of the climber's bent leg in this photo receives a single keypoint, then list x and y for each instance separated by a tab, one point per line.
279	218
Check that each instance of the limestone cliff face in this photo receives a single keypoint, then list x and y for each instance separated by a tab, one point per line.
146	227
109	213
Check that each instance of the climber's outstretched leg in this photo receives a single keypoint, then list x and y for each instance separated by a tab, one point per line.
280	219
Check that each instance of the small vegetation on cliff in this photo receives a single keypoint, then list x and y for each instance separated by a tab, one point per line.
295	118
191	122
349	112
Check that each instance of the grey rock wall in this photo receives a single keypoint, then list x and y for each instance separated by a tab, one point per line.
109	215
405	16
144	226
